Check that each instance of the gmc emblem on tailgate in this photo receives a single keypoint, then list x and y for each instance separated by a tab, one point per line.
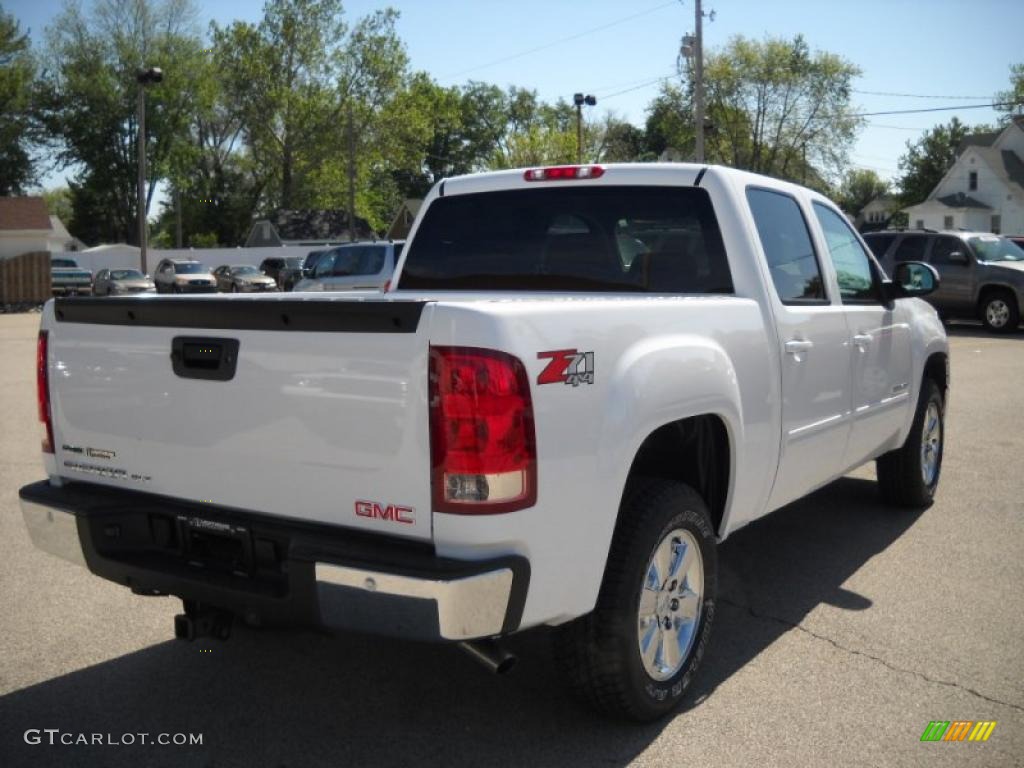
392	512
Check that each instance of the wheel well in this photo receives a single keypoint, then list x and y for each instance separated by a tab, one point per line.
936	368
694	451
988	290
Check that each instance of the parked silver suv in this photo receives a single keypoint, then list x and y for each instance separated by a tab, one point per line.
982	274
354	267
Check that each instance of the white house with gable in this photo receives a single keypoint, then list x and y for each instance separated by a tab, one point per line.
984	190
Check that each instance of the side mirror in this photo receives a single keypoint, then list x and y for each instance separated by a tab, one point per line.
957	257
912	279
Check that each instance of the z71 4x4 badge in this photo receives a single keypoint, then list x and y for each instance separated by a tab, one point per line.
567	366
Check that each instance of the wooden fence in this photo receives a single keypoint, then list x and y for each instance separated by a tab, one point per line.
25	279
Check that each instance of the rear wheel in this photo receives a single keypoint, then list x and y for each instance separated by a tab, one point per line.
909	476
999	311
636	654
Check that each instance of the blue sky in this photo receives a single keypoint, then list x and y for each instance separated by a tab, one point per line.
919	48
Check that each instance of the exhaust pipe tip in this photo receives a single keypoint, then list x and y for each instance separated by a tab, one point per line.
491	654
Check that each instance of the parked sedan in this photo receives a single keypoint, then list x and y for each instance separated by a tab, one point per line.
116	282
242	278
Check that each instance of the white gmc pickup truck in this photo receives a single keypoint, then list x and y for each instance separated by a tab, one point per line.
581	380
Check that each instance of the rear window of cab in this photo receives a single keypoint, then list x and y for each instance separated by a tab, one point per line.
638	239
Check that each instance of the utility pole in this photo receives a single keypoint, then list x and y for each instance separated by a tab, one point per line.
141	200
351	176
177	222
698	86
579	100
143	77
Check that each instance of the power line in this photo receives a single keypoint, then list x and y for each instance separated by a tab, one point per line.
934	109
915	95
647	84
643	80
553	43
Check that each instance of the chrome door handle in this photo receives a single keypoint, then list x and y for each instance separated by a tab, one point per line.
862	339
796	346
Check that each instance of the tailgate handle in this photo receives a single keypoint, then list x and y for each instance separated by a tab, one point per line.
196	357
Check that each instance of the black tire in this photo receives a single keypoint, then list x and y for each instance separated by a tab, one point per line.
901	477
999	311
600	652
234	287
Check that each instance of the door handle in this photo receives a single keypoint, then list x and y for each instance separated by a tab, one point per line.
862	339
796	346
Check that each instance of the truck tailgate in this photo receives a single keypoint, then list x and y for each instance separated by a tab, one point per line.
323	417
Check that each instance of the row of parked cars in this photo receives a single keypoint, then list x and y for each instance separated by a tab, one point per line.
982	274
353	266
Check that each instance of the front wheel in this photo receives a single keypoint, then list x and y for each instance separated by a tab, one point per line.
636	654
909	476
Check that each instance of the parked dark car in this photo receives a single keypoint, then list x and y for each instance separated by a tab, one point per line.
242	278
183	276
117	282
286	270
982	275
68	279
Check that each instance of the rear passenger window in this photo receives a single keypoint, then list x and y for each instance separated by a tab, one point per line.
944	246
787	246
911	249
879	244
853	267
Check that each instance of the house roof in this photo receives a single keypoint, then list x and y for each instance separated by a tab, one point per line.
978	140
314	225
121	247
1013	166
960	200
18	213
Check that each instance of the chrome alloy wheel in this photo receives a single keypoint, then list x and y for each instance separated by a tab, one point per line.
671	601
931	444
997	312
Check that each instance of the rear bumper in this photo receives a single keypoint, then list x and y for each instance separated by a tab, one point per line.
273	572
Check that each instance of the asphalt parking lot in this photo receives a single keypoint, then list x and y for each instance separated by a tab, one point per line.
844	627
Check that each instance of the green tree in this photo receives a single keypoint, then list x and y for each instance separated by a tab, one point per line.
928	159
669	124
214	184
88	99
614	140
775	107
534	132
858	188
18	131
58	203
1012	100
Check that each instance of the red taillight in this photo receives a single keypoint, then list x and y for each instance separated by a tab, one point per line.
43	391
482	449
564	173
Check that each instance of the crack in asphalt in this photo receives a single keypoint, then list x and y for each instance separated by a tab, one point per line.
853	651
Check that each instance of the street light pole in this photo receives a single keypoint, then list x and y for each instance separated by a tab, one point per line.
698	90
143	77
579	100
